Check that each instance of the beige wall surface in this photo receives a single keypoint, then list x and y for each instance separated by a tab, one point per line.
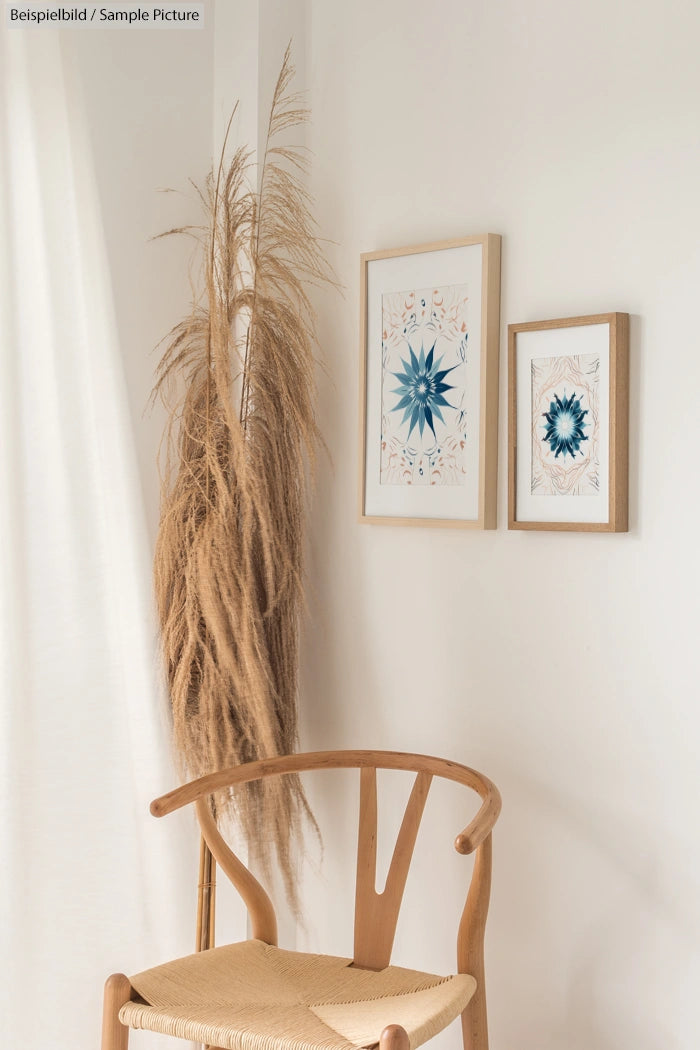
565	666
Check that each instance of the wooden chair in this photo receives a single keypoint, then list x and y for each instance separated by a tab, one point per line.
255	996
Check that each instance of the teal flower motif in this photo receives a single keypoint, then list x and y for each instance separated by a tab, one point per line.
565	423
422	390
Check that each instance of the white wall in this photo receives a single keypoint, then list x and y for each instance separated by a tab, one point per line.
565	666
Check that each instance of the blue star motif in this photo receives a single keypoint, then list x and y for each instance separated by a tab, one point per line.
564	430
422	389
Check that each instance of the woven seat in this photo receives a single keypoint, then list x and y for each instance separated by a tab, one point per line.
253	996
257	996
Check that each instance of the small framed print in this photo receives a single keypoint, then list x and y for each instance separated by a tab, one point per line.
568	397
429	384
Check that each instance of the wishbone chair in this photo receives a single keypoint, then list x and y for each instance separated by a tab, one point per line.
256	996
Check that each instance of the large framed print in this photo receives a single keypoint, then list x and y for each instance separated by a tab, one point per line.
429	384
568	393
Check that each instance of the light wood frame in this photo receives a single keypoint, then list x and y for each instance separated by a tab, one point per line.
617	520
488	372
376	914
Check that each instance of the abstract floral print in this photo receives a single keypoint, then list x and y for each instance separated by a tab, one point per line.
424	353
565	426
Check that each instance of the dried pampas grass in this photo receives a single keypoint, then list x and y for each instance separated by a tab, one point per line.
240	452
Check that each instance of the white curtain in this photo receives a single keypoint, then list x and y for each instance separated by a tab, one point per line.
90	883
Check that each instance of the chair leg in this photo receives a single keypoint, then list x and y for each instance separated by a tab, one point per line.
115	1035
475	1032
394	1037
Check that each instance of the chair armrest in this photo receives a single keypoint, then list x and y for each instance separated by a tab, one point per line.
476	831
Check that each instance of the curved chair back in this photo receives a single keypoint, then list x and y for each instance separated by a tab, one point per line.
376	914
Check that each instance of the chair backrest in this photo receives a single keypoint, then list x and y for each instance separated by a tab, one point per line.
376	914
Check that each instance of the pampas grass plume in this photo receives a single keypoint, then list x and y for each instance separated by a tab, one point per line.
237	376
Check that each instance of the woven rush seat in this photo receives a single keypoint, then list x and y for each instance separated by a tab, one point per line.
254	996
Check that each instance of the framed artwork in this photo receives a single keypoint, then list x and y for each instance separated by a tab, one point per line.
568	395
429	384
